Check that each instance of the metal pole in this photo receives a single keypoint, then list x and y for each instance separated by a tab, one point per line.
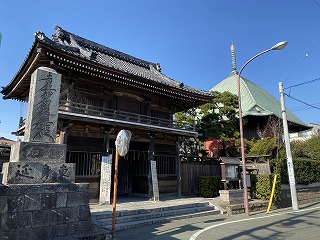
278	46
243	159
292	181
115	181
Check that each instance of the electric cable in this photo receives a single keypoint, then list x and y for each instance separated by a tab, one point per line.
302	102
303	83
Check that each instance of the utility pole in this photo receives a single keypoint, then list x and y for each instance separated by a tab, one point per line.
292	181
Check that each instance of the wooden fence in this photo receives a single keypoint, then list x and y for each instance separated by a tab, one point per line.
192	168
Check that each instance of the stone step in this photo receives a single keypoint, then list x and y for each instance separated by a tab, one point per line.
153	215
108	214
144	222
135	218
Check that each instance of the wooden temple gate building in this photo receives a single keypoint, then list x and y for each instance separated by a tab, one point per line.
104	91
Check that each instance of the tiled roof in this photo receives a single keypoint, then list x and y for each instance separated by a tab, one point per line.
5	141
255	101
89	50
230	160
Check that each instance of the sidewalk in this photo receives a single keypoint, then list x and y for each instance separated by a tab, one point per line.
277	224
139	203
142	203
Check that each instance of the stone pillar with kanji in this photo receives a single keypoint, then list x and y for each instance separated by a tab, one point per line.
38	159
39	197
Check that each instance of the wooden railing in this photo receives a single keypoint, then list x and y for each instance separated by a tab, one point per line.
166	165
89	163
120	115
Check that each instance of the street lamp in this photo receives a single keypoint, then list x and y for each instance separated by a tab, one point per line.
278	46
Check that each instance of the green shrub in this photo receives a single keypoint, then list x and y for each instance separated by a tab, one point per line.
209	186
298	149
280	167
306	171
262	146
261	187
312	149
306	149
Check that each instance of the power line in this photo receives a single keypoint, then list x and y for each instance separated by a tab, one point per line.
301	61
303	108
302	102
316	2
303	83
305	56
295	68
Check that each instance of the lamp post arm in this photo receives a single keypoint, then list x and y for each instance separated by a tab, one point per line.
265	51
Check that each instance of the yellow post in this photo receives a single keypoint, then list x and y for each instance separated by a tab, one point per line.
272	192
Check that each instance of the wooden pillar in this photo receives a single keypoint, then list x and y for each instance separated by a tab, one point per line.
223	176
129	175
178	168
63	133
106	141
67	104
59	137
189	168
150	158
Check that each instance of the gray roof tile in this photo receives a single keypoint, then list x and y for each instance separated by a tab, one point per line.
86	49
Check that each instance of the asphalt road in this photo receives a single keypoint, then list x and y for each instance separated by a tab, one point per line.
280	224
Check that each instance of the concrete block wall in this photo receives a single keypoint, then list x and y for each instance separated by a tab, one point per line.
44	211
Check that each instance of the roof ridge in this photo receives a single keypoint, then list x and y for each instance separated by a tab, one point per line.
43	38
62	34
96	53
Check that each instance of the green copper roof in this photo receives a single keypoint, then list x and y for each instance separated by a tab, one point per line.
255	101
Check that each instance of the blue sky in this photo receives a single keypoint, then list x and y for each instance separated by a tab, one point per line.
190	39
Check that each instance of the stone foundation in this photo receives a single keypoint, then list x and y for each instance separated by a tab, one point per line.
232	196
39	199
305	194
44	211
254	206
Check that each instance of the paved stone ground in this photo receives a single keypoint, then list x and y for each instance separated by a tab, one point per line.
134	203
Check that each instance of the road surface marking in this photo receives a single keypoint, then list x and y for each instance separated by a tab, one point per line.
195	235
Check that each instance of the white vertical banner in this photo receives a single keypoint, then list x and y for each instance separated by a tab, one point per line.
105	180
154	178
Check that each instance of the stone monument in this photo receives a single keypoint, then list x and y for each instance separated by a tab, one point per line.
39	199
105	180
